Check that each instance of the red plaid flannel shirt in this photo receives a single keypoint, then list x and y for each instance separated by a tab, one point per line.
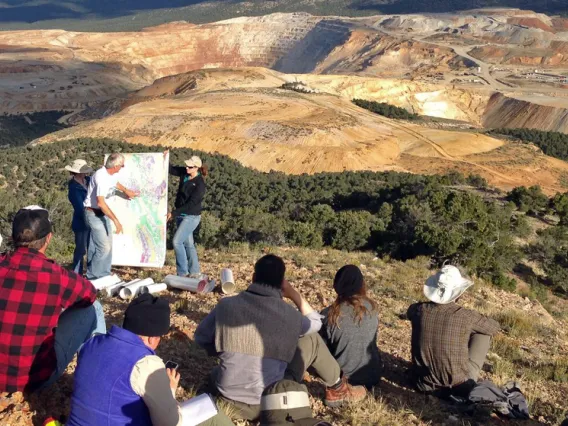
33	292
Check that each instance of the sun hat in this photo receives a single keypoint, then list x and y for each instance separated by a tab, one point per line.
79	166
194	161
446	285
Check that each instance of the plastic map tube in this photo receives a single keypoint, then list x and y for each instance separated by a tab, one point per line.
153	288
196	285
104	282
132	289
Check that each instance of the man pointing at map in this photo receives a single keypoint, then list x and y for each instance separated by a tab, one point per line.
98	215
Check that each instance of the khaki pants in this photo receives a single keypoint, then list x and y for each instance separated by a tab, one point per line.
220	419
311	355
479	345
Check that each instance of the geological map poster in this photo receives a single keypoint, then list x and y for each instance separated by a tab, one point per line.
143	219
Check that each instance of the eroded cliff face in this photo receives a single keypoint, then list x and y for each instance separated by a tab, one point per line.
421	98
542	114
56	69
553	54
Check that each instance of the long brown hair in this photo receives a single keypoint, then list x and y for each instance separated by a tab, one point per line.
203	170
357	301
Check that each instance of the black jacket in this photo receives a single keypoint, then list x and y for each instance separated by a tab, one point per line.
190	193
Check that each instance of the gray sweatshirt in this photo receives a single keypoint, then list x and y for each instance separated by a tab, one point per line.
354	345
241	377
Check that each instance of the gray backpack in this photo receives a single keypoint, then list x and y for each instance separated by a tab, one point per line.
287	403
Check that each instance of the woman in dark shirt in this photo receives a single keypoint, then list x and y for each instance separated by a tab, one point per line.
187	213
77	192
350	328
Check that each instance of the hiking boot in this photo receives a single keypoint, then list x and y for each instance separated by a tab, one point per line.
343	392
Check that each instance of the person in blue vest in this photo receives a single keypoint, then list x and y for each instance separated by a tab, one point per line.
77	192
120	380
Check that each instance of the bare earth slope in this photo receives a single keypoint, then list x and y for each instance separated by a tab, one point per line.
158	86
268	128
541	113
45	69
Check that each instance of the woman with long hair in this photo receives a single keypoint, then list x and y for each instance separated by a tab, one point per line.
77	192
350	328
187	214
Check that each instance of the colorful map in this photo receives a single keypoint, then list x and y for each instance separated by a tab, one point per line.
143	219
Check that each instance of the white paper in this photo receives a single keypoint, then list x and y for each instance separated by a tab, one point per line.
105	282
197	410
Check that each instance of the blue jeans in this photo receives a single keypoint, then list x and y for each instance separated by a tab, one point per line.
81	244
184	246
74	327
99	253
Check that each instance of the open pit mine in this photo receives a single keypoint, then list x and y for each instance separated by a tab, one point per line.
218	88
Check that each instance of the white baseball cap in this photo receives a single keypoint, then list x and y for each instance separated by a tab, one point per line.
194	161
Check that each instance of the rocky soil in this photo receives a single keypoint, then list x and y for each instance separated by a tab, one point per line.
532	348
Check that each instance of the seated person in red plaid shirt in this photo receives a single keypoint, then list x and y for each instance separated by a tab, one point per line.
46	312
449	342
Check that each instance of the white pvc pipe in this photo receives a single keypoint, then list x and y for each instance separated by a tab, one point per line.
227	281
114	289
132	289
196	285
104	282
153	288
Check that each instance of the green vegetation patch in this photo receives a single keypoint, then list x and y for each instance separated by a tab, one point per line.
386	110
400	215
18	130
554	144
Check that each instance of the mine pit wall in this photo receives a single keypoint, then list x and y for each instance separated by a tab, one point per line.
503	111
314	47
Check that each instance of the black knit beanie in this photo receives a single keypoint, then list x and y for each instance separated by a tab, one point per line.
147	316
348	281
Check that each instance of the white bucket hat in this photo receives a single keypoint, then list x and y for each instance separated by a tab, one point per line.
194	161
79	166
446	285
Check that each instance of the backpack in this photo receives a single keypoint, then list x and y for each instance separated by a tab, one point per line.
286	403
508	402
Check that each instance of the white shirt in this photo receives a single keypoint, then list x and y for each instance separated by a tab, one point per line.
102	185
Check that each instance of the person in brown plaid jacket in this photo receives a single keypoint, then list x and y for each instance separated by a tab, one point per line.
449	342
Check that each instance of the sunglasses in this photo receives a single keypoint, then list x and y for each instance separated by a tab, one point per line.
190	167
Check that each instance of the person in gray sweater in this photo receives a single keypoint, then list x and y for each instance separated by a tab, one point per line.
260	339
350	328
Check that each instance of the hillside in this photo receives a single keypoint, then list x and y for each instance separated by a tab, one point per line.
405	223
245	115
90	15
531	349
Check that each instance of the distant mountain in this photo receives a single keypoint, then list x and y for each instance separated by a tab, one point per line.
118	15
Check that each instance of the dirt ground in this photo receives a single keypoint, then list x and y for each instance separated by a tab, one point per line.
394	285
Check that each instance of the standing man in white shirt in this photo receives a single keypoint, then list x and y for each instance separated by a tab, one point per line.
98	215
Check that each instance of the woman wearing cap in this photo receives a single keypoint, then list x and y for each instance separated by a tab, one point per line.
350	327
187	213
77	193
